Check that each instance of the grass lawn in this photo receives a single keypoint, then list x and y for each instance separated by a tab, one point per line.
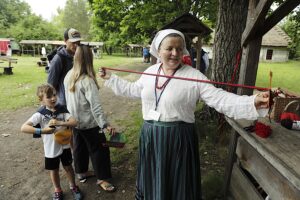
285	75
18	90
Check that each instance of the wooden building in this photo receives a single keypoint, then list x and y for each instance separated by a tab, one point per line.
134	50
34	47
274	46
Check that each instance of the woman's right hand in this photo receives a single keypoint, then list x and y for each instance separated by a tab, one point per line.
111	130
103	73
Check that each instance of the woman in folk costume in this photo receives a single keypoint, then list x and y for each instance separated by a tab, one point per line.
168	161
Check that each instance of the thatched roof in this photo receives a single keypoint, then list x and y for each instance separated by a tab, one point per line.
276	37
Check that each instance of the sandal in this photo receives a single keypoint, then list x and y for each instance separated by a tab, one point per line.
106	186
83	178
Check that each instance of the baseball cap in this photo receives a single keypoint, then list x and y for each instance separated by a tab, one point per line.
72	35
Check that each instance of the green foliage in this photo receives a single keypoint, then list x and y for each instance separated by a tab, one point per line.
76	15
136	21
292	28
16	17
36	28
11	11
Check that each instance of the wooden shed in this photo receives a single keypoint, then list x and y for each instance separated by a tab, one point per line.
34	47
135	50
261	168
274	47
191	27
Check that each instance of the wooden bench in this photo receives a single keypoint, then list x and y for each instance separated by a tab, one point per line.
273	162
8	69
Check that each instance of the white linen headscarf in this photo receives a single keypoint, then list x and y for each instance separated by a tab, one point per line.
159	38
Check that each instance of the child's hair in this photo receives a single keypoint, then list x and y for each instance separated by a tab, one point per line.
83	66
45	89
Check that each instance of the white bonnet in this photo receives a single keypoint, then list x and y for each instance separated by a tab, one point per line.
159	38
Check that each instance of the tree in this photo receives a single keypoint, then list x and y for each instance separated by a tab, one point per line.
227	42
36	29
292	28
231	22
136	21
76	15
12	11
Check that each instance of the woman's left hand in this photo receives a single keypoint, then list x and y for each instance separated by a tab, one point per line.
262	100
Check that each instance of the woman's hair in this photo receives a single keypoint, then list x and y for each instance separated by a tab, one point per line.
83	66
45	90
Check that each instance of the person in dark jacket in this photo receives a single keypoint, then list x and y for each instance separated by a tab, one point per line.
63	62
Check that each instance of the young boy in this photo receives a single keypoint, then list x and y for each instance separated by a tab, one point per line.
51	119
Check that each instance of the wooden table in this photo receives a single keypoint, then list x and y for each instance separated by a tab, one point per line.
8	68
273	162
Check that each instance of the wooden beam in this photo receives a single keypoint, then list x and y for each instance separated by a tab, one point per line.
254	24
231	160
266	175
241	187
278	15
249	65
198	47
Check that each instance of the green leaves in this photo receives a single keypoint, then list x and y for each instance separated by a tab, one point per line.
133	21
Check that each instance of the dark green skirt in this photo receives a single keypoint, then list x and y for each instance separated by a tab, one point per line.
169	165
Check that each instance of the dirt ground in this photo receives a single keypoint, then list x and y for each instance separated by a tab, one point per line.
22	174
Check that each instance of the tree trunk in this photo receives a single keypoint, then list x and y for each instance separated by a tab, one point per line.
231	23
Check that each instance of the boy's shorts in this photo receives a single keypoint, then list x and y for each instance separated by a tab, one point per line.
65	158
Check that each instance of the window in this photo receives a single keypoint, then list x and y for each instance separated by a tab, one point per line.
269	54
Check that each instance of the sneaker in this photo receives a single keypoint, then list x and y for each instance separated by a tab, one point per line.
58	196
76	193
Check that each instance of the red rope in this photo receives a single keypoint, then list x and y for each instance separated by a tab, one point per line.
238	58
189	79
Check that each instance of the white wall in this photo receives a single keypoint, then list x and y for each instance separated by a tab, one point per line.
280	54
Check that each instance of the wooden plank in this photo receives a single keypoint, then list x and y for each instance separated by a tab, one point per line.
257	18
231	160
241	188
249	65
272	182
282	11
281	149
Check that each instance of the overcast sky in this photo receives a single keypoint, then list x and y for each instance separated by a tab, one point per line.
45	8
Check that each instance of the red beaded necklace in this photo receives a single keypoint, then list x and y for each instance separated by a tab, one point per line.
166	82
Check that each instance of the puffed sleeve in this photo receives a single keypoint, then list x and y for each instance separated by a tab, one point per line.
230	104
125	88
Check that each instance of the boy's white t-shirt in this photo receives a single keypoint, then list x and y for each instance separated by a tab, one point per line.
51	148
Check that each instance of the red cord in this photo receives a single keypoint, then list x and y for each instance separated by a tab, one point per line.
238	59
189	79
